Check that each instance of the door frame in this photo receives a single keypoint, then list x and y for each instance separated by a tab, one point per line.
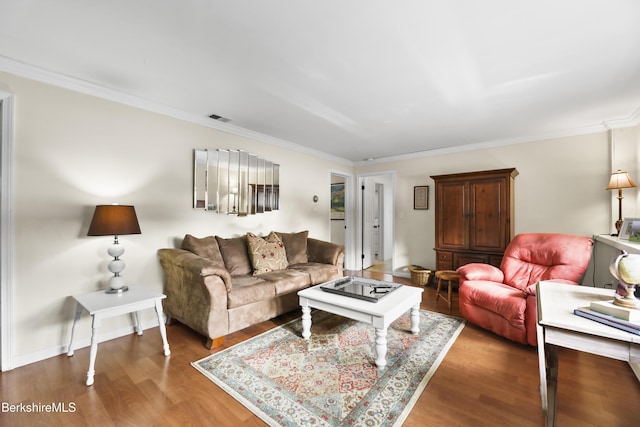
7	107
349	210
390	223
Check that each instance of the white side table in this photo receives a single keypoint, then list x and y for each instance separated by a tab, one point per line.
101	305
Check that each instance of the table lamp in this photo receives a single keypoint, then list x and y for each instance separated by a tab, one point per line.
619	180
114	220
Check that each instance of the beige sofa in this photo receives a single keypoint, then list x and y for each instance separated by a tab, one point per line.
219	285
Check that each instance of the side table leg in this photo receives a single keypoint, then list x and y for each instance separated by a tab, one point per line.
306	322
415	319
73	328
551	352
163	330
542	368
94	350
136	323
381	348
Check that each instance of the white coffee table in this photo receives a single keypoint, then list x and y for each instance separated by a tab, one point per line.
379	314
101	305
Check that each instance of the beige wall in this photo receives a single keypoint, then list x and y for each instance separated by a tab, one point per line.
560	188
74	151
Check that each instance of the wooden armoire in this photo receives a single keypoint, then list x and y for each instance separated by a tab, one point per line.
474	217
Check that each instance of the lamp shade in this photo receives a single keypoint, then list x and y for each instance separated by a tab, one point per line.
114	220
620	179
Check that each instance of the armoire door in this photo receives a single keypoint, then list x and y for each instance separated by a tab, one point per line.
452	225
487	215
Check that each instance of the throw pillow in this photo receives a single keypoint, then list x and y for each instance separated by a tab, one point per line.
234	253
296	246
266	254
206	247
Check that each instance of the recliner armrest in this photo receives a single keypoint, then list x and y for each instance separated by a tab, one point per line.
478	271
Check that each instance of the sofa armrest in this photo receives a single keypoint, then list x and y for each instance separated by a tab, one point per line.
180	261
324	252
478	271
196	296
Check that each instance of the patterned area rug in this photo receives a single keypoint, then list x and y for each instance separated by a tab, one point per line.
331	379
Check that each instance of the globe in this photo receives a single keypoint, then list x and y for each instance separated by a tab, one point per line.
626	268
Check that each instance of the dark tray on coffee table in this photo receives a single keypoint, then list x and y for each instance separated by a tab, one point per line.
360	288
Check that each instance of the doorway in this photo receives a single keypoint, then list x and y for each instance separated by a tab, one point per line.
376	221
341	216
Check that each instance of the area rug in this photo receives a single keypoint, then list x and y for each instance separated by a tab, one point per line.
331	379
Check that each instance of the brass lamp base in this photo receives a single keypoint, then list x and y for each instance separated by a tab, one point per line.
618	226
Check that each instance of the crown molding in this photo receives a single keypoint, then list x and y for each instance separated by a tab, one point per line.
25	70
631	120
32	72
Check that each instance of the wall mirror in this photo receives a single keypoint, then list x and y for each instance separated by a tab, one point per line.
234	182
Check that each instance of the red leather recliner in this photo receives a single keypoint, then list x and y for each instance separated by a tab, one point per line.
504	300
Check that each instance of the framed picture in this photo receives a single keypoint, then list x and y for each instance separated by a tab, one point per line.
337	201
630	230
421	197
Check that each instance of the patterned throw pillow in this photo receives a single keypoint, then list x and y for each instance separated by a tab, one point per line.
266	254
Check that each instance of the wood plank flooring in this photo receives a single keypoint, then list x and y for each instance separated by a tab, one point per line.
484	380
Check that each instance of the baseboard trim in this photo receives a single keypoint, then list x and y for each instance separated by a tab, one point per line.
48	353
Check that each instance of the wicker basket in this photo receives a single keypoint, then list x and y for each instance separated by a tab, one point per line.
419	275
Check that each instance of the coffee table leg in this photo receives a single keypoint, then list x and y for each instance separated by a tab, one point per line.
381	348
415	319
306	322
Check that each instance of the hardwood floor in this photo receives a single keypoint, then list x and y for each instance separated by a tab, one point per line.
484	380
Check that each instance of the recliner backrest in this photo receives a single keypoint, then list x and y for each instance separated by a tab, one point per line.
531	257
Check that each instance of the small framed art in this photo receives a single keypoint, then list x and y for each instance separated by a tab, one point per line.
421	197
337	201
630	230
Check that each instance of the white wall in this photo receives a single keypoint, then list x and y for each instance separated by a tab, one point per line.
74	151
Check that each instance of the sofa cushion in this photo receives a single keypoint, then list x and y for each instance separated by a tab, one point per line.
318	273
248	289
296	246
235	255
266	254
206	247
286	281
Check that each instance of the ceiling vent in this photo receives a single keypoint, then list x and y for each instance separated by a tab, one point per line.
219	118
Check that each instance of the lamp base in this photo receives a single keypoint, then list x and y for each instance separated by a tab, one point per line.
619	225
627	301
117	291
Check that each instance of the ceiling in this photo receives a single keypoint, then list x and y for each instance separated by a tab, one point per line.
358	79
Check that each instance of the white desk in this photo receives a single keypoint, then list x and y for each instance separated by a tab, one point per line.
101	305
559	327
379	314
